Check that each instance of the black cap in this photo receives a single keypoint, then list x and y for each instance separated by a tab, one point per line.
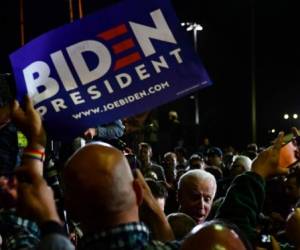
214	151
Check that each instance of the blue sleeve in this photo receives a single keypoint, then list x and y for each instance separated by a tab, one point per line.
112	130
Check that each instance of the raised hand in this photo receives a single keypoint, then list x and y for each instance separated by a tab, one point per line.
90	133
152	214
267	162
29	121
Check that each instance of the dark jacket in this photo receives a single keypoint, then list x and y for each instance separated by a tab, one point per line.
243	203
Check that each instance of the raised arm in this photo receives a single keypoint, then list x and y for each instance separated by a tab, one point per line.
35	199
153	215
29	122
244	199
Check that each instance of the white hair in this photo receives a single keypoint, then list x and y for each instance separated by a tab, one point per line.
243	160
199	174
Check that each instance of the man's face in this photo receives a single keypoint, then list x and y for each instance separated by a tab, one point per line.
196	198
179	156
197	164
170	160
237	169
206	141
170	165
145	153
214	160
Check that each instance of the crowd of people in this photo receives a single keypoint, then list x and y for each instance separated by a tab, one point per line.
112	197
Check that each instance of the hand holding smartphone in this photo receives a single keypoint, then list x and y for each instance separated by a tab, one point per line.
289	153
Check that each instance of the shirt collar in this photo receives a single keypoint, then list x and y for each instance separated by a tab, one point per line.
126	236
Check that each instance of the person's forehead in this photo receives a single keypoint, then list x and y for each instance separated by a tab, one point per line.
144	148
170	157
195	160
197	184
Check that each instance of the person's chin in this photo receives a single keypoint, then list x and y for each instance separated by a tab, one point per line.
199	219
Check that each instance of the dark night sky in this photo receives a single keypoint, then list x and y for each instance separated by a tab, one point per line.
226	48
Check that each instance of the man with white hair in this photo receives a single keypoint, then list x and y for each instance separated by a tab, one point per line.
240	165
196	192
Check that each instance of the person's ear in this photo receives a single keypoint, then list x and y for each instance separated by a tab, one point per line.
138	192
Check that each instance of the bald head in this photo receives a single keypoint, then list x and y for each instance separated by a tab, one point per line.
213	236
98	183
181	224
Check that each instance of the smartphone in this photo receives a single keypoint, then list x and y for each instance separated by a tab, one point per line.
289	154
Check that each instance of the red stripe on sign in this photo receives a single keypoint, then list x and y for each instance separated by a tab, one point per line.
124	45
114	32
120	63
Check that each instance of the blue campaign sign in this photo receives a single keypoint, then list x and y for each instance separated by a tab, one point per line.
118	62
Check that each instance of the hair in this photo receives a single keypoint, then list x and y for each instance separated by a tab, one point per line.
174	114
145	145
252	147
199	174
170	153
195	157
243	160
